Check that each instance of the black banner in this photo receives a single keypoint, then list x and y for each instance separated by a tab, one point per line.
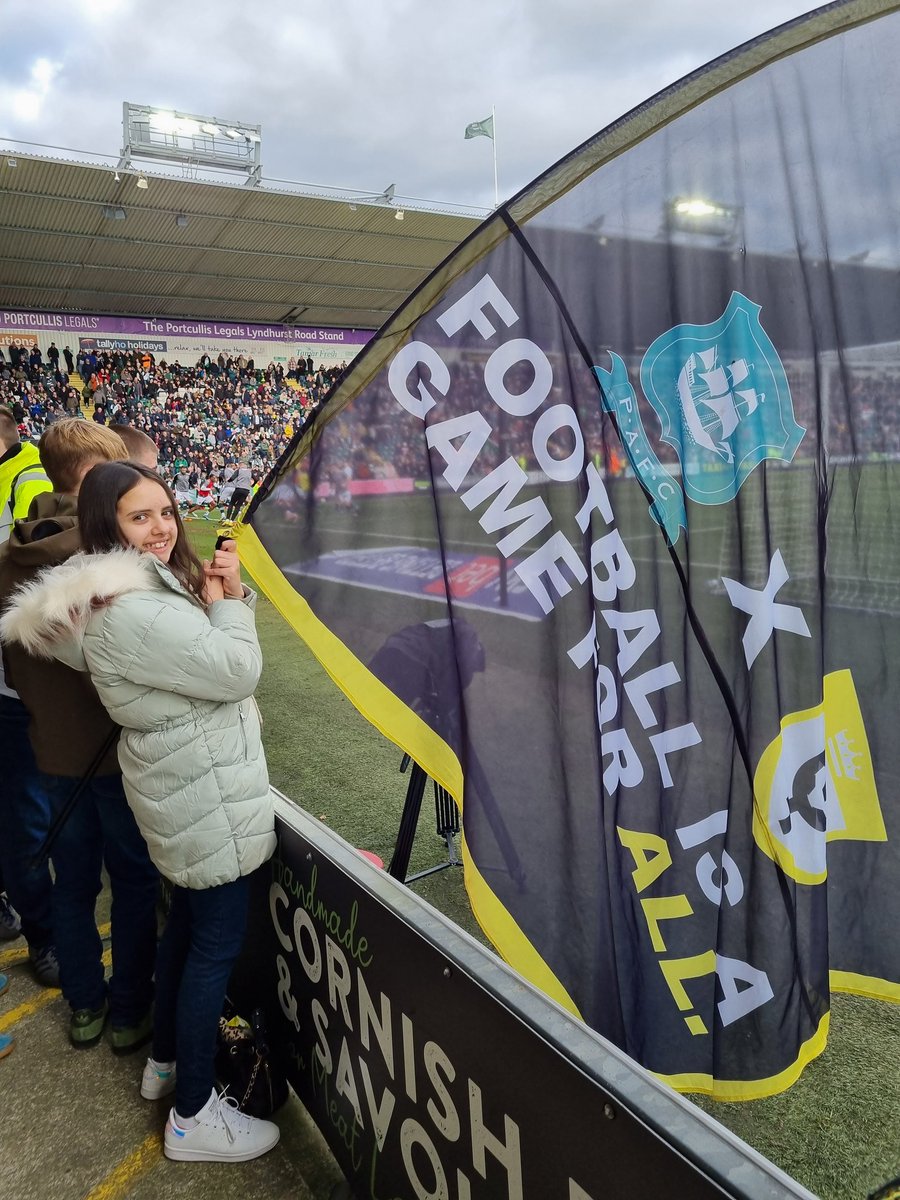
432	1071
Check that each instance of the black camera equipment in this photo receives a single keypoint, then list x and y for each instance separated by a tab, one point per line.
429	666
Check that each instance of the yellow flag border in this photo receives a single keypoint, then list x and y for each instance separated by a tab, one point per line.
754	1089
869	986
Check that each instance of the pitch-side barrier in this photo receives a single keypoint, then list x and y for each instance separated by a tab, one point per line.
437	1073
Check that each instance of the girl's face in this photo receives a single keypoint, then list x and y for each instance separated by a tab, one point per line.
147	520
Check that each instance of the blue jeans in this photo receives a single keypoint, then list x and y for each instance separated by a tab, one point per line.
198	949
24	821
101	829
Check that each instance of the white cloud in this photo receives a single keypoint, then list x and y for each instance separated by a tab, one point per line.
100	10
28	102
43	73
27	105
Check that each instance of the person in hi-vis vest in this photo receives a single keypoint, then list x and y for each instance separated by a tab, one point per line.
21	475
21	479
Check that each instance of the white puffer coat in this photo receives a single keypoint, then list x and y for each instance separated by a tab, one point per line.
179	679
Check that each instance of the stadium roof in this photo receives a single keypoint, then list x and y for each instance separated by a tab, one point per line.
72	237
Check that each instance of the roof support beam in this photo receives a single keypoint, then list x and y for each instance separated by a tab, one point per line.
174	274
144	313
279	254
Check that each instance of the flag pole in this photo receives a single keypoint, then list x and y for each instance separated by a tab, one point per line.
494	144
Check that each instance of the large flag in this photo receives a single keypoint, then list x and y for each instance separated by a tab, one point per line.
599	529
483	128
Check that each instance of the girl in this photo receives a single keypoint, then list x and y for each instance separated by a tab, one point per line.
172	650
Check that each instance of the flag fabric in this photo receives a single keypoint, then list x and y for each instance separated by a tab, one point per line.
483	128
600	529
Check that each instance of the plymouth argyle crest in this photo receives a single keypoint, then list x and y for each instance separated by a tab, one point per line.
724	405
723	400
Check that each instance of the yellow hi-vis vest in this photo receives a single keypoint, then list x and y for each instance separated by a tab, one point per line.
21	479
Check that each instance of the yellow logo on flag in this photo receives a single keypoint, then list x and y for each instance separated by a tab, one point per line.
815	784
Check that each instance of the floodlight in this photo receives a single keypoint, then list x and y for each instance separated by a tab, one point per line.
181	221
142	182
700	215
399	214
163	121
696	208
113	213
189	138
11	162
116	178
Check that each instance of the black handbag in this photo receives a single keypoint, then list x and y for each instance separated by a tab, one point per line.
245	1068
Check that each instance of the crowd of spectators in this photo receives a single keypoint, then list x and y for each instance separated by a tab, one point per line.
206	420
209	419
36	387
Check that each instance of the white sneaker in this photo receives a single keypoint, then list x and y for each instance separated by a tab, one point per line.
158	1080
222	1134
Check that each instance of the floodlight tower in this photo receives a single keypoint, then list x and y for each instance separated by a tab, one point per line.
190	140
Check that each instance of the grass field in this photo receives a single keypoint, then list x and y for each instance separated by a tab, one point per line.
838	1129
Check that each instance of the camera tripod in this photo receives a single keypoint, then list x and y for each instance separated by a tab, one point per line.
446	821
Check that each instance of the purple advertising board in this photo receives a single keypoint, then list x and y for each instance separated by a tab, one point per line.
180	339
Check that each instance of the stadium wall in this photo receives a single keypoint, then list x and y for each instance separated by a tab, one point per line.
181	340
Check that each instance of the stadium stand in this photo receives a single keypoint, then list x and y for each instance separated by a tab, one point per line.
204	418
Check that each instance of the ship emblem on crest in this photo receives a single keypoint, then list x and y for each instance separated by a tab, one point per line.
713	400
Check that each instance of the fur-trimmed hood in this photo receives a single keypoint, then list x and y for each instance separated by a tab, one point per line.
48	617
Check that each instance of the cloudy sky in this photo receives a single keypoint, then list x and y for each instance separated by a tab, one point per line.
364	93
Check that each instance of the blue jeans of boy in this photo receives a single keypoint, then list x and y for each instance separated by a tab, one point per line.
102	830
199	947
24	821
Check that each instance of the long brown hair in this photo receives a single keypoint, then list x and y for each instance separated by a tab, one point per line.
101	490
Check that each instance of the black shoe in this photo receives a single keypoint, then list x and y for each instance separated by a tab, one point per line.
44	965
